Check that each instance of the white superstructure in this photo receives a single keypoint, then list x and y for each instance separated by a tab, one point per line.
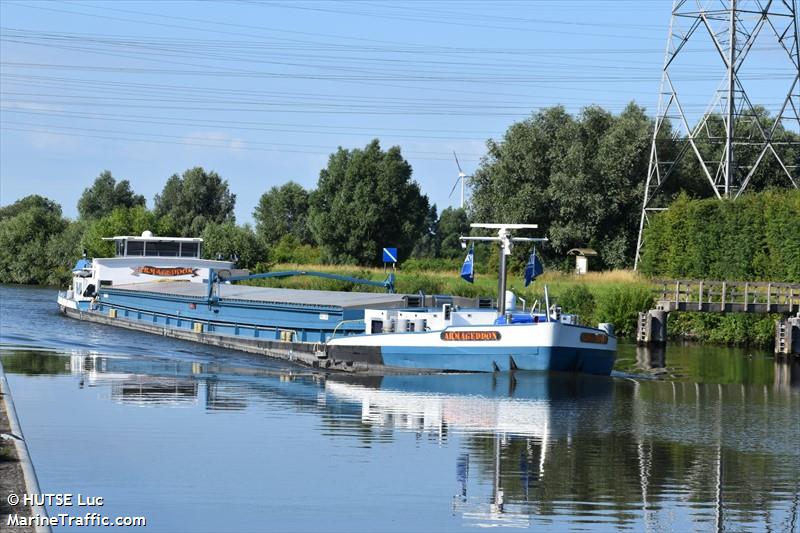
140	259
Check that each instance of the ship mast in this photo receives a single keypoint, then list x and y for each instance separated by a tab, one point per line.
506	241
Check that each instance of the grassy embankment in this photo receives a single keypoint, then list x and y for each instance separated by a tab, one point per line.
614	296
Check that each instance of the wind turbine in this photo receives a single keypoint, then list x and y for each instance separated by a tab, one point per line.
460	178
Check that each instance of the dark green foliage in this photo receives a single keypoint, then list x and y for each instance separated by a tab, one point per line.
63	249
428	244
105	195
727	328
291	250
621	307
121	221
29	203
229	240
283	211
579	178
755	237
453	223
442	235
193	200
692	178
578	300
366	199
29	236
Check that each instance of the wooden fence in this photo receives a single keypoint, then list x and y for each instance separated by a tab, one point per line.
728	296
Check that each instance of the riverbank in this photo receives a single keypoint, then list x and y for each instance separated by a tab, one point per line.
12	475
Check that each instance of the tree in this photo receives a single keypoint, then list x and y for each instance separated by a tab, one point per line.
427	245
749	136
598	183
283	211
510	185
366	199
120	221
105	195
27	229
580	178
195	199
230	240
29	203
453	223
63	250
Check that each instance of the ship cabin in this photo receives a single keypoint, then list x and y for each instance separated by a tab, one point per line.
449	315
141	259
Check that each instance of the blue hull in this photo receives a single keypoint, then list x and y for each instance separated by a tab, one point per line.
559	359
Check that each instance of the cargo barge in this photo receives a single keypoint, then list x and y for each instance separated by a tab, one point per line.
162	285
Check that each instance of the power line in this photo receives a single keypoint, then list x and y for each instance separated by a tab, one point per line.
227	144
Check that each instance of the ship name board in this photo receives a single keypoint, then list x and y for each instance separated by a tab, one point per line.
595	338
470	336
164	271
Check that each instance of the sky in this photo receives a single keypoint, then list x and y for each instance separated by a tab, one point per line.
262	92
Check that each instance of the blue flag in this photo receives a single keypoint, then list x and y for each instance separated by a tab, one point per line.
468	269
533	269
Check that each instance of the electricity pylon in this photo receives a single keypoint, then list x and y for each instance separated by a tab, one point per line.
730	30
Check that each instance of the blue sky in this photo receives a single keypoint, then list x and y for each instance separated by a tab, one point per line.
263	91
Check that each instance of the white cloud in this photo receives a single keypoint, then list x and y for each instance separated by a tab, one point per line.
51	140
216	139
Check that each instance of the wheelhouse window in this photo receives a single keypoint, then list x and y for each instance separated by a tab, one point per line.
163	248
157	248
135	248
190	249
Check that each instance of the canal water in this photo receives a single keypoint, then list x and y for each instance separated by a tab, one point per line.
198	439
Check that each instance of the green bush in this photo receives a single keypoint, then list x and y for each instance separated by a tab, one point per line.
728	328
290	250
752	238
228	240
578	300
621	306
29	242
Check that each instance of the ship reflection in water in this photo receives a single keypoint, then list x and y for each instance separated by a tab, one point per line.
516	421
523	449
129	385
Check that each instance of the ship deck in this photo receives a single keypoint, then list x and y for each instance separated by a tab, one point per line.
248	293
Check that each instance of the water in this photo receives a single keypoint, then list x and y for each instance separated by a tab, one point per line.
199	439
